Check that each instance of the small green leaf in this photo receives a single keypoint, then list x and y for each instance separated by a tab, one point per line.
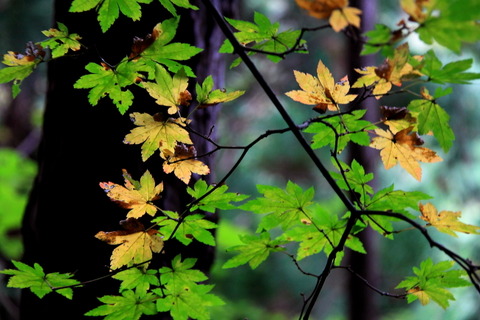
181	273
207	97
37	281
169	5
254	251
284	208
137	278
339	130
129	306
453	72
61	41
431	281
355	177
192	227
218	199
377	38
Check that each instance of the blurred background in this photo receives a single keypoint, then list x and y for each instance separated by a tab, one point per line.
274	290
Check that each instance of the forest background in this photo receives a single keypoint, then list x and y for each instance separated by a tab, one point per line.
454	183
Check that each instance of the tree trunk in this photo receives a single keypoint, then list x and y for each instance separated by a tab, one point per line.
82	146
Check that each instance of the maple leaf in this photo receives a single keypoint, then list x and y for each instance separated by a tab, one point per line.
431	281
322	233
321	91
156	132
192	226
181	272
137	196
338	12
20	65
391	72
61	40
353	178
169	5
403	147
218	199
183	163
109	10
452	72
263	35
445	221
415	9
431	117
170	92
38	281
283	207
159	50
137	278
103	81
135	244
129	306
348	127
207	97
254	251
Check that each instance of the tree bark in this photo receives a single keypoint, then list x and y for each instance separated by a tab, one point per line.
82	146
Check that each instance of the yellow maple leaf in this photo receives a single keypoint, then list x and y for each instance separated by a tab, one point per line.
338	12
415	9
136	196
445	221
135	244
183	163
155	132
33	55
321	91
402	147
170	92
390	72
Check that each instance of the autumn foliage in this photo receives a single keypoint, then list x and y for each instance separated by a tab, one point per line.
291	220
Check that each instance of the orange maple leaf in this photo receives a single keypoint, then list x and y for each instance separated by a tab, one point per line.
183	163
390	72
445	221
403	147
135	244
321	91
136	196
415	9
338	12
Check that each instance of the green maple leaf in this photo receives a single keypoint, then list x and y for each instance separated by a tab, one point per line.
432	117
61	40
163	52
264	35
218	199
187	302
193	226
254	251
348	127
104	80
129	306
109	10
450	23
283	207
452	72
392	200
355	177
431	281
322	233
137	278
377	39
208	97
181	272
37	281
169	5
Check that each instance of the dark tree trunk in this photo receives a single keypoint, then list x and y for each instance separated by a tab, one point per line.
363	303
82	146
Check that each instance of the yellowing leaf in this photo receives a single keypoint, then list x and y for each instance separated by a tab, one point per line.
183	163
403	147
391	72
155	132
170	92
415	9
337	11
135	244
445	221
137	196
322	92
